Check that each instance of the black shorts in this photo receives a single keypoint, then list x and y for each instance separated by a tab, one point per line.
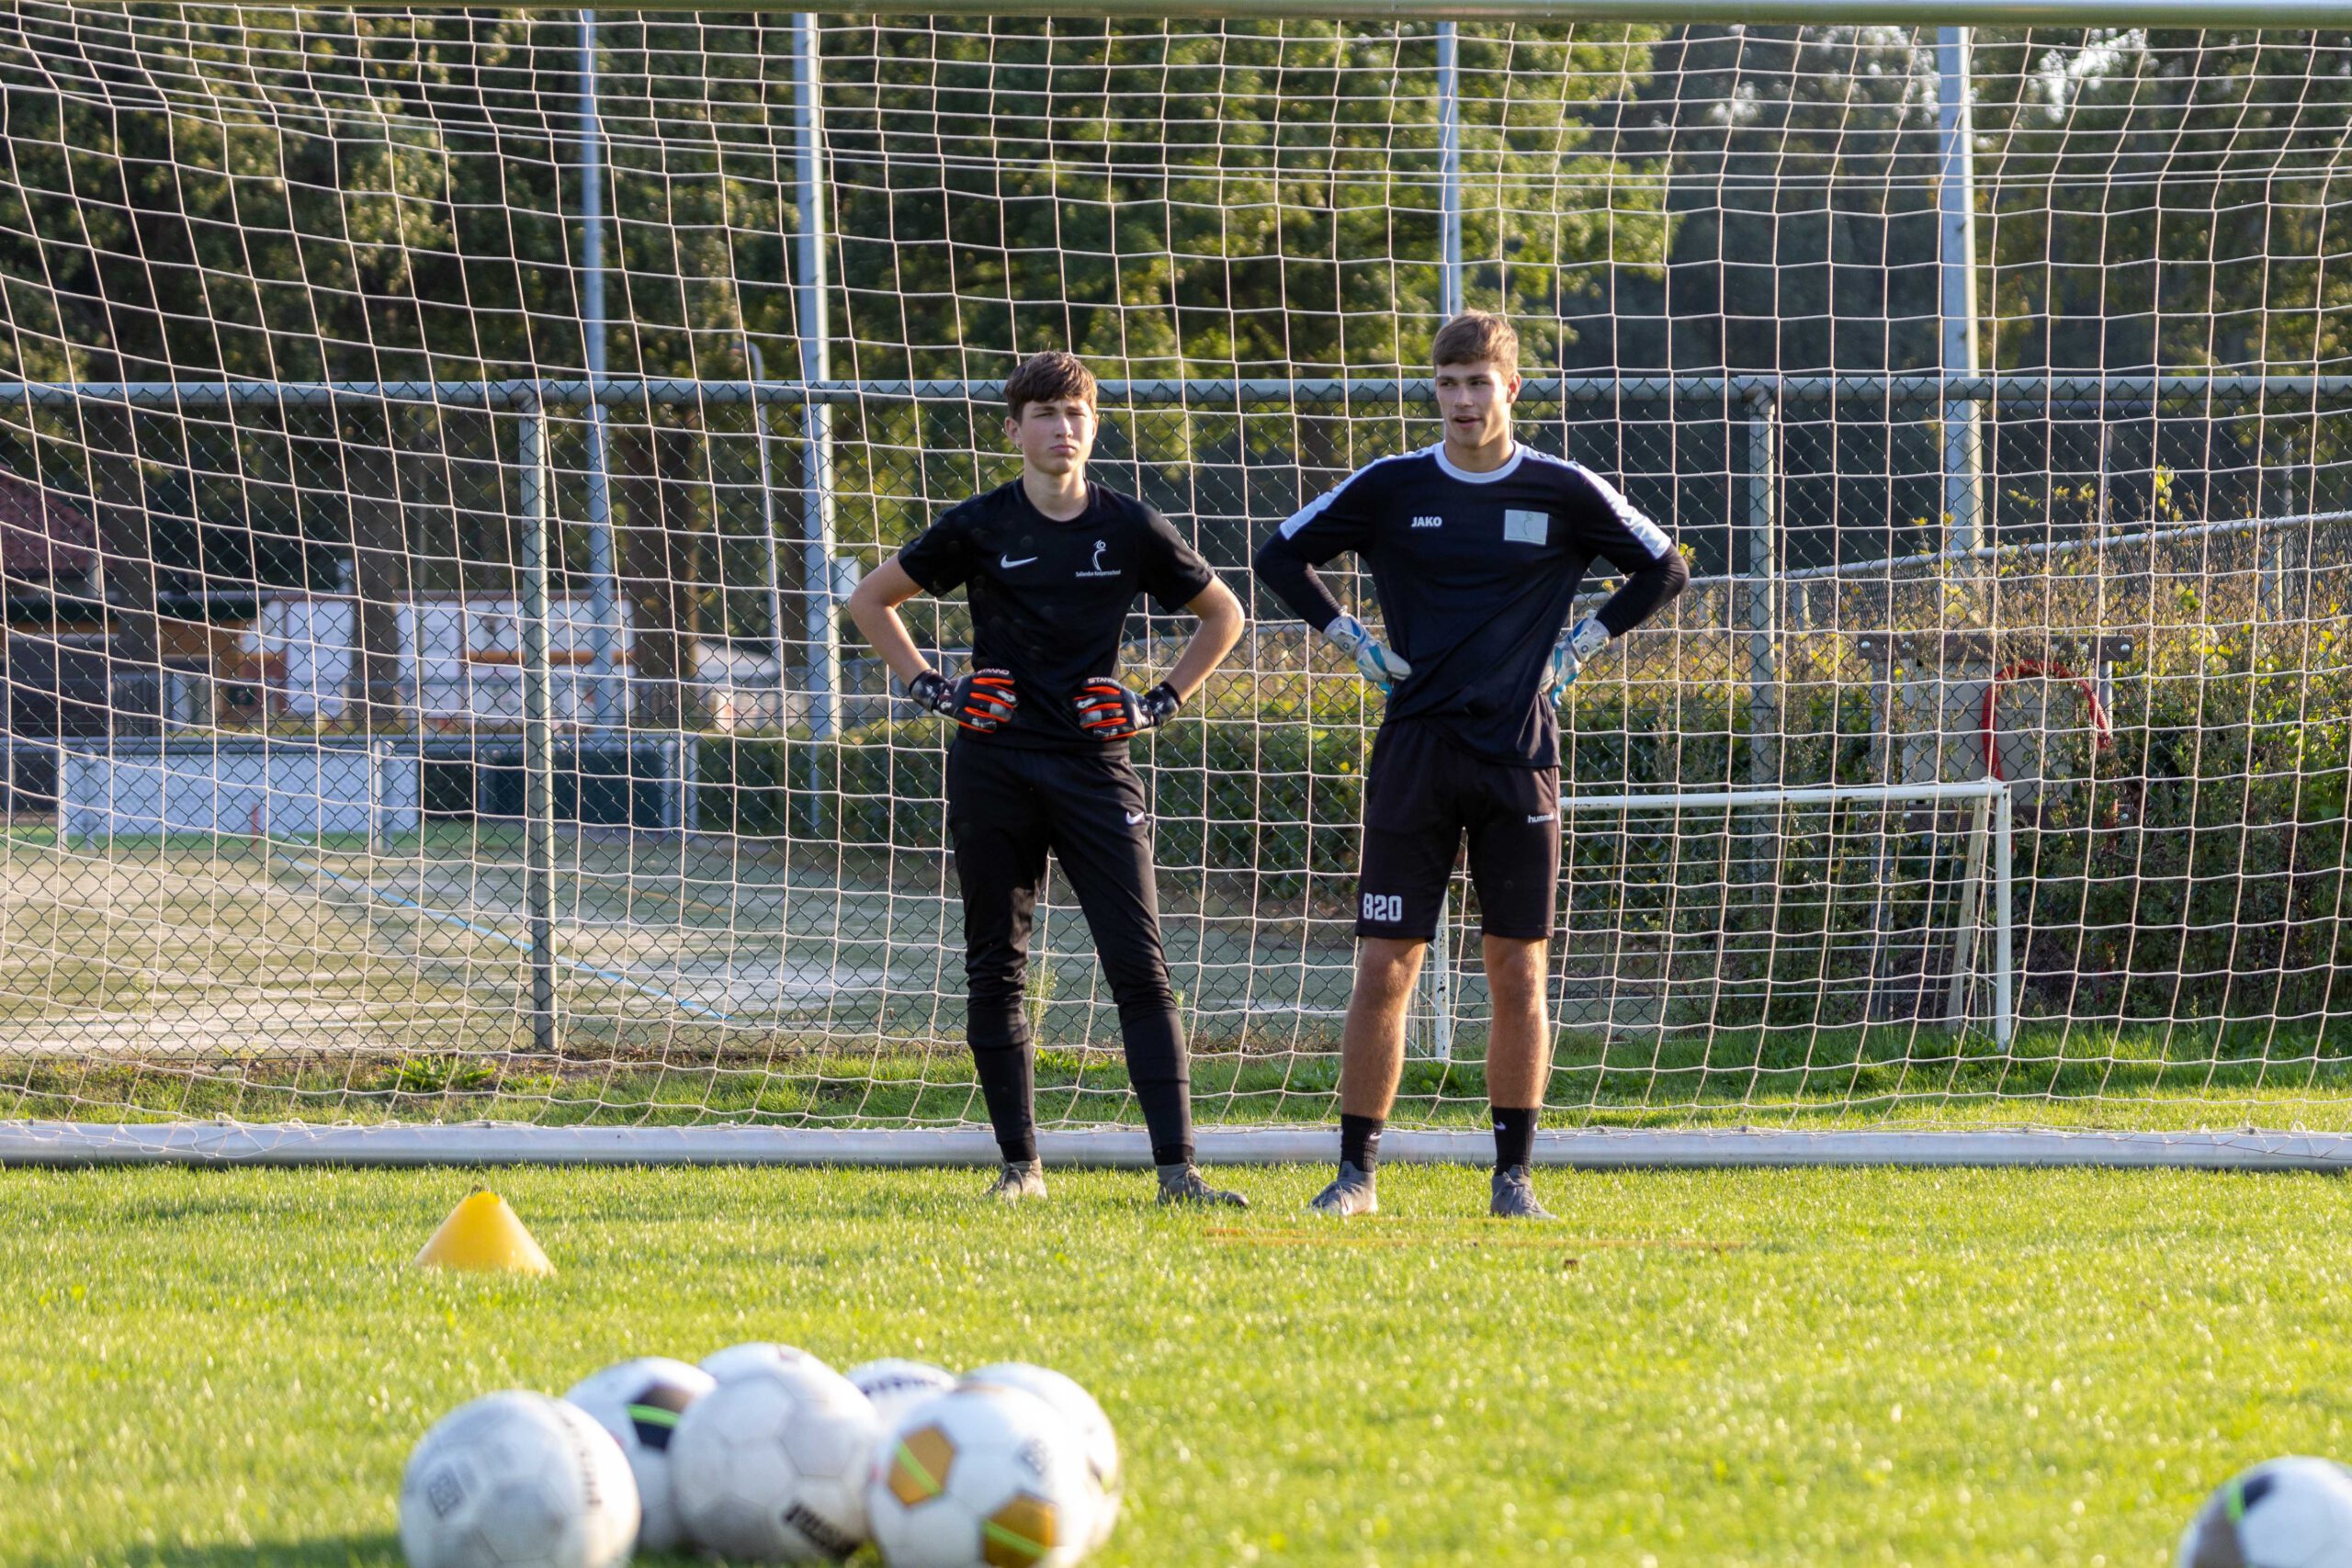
1422	793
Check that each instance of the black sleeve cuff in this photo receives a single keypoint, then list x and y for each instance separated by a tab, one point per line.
1645	593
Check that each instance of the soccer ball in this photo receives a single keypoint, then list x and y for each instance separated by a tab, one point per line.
758	1355
981	1477
517	1480
2284	1513
770	1466
895	1387
639	1402
1097	1442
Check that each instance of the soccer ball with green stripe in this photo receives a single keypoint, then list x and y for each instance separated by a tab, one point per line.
639	1402
2285	1513
770	1466
1078	1407
981	1477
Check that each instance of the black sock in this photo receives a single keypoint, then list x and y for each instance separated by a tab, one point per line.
1008	1082
1360	1140
1514	1137
1161	1072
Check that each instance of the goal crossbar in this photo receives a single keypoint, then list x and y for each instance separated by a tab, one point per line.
1809	13
1201	393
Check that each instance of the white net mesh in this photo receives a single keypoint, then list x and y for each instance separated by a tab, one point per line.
292	301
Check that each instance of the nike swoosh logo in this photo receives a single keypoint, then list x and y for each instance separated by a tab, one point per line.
1134	818
1008	563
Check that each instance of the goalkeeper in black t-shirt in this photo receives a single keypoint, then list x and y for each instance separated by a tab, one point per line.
1053	563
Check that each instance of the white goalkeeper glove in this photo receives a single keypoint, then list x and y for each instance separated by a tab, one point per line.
1379	666
1568	655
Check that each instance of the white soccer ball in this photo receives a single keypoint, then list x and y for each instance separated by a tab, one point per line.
757	1356
2285	1513
1097	1441
770	1466
896	1386
517	1480
639	1402
981	1477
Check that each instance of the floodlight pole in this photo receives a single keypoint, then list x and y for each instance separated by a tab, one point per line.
1437	975
1956	258
603	596
1449	120
824	678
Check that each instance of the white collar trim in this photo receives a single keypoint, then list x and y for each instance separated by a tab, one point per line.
1518	456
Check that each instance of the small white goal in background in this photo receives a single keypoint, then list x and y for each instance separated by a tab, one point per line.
261	788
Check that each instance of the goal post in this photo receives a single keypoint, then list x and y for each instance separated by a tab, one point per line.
428	487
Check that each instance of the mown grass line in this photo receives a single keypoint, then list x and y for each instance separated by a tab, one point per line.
2072	1076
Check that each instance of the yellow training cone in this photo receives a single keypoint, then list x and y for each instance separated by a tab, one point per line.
483	1233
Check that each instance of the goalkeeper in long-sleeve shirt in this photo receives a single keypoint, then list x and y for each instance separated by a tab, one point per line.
1476	547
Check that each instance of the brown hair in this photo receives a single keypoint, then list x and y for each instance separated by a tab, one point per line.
1044	376
1474	337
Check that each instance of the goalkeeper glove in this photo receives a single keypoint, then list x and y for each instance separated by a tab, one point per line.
1379	666
1568	655
981	702
1108	711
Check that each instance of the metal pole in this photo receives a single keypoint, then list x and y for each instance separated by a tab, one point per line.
1760	858
538	746
1449	118
1437	982
602	702
2005	1022
1763	686
1970	902
773	581
1956	256
816	361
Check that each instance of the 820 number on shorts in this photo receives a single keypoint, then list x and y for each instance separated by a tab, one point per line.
1384	906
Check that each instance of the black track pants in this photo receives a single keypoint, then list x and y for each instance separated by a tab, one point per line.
1007	806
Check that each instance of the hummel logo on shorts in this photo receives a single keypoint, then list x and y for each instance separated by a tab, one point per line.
1545	818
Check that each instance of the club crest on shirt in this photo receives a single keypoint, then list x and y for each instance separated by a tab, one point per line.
1527	528
1100	545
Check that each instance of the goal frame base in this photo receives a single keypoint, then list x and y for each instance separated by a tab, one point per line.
77	1143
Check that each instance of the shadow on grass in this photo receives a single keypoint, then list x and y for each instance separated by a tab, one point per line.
371	1549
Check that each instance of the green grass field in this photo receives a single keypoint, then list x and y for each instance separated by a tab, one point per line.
220	1367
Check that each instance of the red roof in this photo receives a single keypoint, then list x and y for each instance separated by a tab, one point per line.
43	536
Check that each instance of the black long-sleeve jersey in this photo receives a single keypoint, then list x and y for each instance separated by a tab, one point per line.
1476	574
1050	598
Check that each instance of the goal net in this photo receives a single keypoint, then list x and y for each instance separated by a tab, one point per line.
434	447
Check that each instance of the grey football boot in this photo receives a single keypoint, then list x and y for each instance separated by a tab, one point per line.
1514	1196
1019	1181
1350	1195
1185	1184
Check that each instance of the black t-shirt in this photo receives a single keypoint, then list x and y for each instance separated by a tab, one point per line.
1476	574
1050	599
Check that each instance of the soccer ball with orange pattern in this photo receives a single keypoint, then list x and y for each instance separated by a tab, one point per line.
981	1477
